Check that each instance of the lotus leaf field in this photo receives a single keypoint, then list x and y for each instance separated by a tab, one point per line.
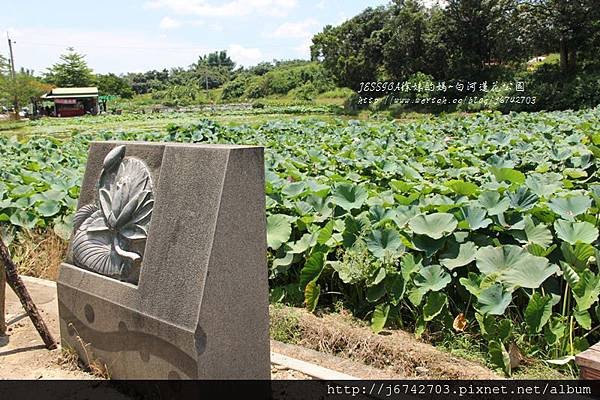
482	224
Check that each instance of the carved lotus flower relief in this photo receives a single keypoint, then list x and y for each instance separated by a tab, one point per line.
110	235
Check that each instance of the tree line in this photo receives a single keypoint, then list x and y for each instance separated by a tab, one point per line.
464	39
403	41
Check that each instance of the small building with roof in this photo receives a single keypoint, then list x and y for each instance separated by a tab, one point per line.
72	102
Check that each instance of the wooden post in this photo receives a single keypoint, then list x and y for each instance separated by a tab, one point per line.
2	300
589	363
18	287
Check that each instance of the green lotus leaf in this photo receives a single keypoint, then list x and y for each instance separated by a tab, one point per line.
378	214
472	283
522	199
432	278
428	245
499	356
459	255
493	202
554	330
403	214
508	175
23	219
312	268
587	290
570	207
294	189
48	208
575	232
490	260
395	286
529	276
374	293
379	317
537	233
538	312
312	291
434	226
353	228
463	188
415	295
434	305
282	264
349	196
475	217
409	265
494	300
303	244
279	229
544	185
584	319
382	242
579	255
569	274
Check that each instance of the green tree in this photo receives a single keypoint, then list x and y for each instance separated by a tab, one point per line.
217	59
71	71
4	81
480	34
25	87
570	27
111	84
352	52
404	51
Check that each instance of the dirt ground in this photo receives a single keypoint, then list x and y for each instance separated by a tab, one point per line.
23	355
22	352
331	341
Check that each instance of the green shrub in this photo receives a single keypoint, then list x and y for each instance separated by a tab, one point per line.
307	92
554	90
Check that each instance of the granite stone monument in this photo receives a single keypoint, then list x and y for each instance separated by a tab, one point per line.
166	274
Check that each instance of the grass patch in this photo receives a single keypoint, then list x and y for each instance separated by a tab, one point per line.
38	253
284	325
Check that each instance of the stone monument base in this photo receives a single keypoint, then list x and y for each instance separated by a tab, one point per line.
197	305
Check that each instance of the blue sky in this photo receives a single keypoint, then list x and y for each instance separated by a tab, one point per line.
138	35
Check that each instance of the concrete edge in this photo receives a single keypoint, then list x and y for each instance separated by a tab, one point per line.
38	281
309	369
304	367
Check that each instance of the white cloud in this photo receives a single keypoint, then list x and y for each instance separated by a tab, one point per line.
303	49
119	51
169	23
302	29
245	56
233	8
321	4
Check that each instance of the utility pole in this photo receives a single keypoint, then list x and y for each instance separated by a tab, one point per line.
14	76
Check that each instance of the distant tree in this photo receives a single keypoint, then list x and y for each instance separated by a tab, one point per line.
150	81
216	59
567	26
111	84
71	71
480	33
25	87
4	81
261	68
352	52
404	47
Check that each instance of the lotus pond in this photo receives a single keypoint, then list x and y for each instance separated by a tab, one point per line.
482	225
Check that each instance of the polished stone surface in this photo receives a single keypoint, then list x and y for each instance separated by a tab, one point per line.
200	308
